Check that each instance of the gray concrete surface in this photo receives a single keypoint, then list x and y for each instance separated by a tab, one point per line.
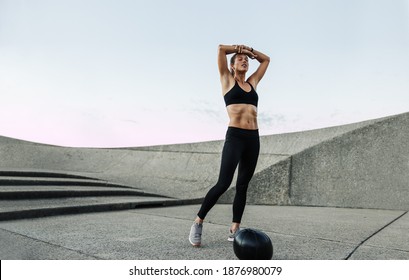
333	193
365	168
35	208
161	233
37	194
360	165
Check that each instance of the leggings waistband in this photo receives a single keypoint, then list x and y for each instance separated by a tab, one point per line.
242	132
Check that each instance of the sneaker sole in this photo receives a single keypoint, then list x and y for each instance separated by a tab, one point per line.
195	244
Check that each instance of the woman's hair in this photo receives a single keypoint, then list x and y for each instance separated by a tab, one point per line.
232	60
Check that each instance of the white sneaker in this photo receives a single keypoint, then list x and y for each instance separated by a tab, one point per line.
233	235
195	236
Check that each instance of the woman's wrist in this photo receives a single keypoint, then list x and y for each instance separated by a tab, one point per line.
229	49
240	48
237	48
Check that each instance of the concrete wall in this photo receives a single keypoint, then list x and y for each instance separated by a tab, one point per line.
358	165
367	167
275	184
167	173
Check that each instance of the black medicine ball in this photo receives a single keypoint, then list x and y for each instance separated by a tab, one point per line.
251	244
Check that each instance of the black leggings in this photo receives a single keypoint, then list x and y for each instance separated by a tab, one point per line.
241	147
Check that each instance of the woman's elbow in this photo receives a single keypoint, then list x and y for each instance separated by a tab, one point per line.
267	59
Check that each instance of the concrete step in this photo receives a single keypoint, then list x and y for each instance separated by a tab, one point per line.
39	181
36	192
46	174
33	194
34	208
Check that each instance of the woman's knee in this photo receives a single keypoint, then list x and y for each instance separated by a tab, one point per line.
219	189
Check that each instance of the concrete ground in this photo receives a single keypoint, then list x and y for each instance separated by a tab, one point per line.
306	233
137	203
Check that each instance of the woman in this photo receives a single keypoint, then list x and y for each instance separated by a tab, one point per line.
242	144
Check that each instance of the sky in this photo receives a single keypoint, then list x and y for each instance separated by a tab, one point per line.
99	73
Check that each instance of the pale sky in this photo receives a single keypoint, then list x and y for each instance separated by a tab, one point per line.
120	73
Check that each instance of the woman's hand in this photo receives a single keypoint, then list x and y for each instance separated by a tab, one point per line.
245	50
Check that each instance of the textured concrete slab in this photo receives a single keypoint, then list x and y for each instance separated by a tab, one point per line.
60	188
15	205
38	192
390	243
161	233
35	181
123	235
35	208
353	165
395	236
277	144
332	224
365	168
379	253
15	246
38	173
357	168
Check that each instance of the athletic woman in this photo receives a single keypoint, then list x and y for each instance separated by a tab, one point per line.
242	144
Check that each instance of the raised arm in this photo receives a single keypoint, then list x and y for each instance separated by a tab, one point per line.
224	71
225	76
264	60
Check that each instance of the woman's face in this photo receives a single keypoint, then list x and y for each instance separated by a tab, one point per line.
241	63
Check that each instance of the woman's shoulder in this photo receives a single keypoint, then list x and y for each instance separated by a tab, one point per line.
252	83
228	84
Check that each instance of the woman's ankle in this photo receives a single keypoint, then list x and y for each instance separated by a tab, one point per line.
234	227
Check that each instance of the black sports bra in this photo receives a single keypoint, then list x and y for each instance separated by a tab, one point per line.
239	96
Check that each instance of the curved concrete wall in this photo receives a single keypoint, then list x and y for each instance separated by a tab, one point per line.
367	167
358	165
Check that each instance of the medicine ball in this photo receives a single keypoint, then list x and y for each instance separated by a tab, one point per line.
251	244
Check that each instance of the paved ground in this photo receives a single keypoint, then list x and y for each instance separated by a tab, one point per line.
161	233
